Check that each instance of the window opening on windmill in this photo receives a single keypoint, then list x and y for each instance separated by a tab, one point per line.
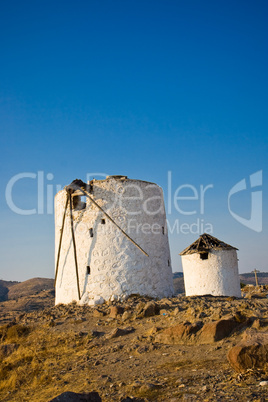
163	230
88	270
103	221
91	232
204	256
168	263
79	202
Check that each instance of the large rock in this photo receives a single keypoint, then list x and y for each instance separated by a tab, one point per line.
74	397
216	330
116	311
116	332
211	332
179	334
251	352
149	310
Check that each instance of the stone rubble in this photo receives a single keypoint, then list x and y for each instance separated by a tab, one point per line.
148	350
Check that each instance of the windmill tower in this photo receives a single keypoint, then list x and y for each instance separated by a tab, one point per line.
210	267
111	241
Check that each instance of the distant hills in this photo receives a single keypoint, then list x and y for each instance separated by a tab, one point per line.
178	282
249	278
14	290
5	286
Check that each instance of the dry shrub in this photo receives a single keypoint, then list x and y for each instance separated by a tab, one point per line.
16	331
10	382
39	360
3	331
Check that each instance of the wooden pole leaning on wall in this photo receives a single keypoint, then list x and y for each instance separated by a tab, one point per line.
60	241
74	245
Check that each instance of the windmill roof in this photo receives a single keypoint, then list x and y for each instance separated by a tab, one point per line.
205	243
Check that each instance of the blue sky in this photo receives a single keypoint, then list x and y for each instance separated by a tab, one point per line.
139	88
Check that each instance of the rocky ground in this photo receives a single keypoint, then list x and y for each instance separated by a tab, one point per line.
138	350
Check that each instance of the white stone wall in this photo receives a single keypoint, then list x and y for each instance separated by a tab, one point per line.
218	275
117	266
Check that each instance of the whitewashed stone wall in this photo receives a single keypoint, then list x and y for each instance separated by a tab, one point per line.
117	267
218	275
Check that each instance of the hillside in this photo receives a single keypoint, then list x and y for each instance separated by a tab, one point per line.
18	297
4	288
13	290
30	287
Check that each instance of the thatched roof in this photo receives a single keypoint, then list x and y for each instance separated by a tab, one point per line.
205	243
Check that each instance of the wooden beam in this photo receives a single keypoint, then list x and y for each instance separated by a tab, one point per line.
256	278
74	245
61	234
